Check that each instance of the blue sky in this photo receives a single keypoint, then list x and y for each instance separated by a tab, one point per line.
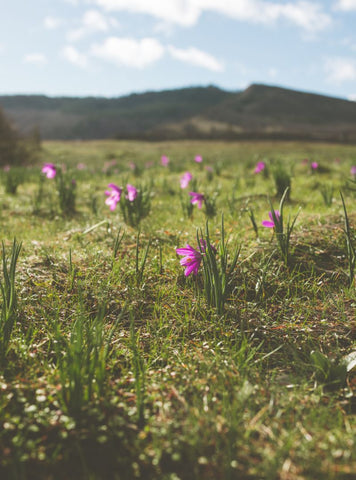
116	47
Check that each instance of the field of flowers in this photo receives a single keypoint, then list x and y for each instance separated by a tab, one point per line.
179	311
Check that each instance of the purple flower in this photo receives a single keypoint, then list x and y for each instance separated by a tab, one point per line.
6	168
164	160
191	260
192	257
185	179
131	192
314	165
259	167
81	166
198	158
270	223
197	198
49	169
113	196
353	170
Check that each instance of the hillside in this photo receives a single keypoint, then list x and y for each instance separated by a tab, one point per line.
86	118
261	108
202	112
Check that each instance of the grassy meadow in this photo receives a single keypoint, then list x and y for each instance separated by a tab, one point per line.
116	365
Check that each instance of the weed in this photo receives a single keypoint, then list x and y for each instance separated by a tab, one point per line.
12	178
9	297
218	268
66	189
283	232
350	248
282	180
82	358
210	205
134	210
140	266
327	192
139	371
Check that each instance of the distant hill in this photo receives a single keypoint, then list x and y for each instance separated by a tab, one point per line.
86	118
259	112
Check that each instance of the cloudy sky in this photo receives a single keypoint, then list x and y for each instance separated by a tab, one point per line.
116	47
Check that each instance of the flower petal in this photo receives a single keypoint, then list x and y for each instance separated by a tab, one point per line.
188	250
192	268
268	224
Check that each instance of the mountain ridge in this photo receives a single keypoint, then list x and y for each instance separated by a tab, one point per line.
258	112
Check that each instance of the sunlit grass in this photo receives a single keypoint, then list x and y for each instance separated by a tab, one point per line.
119	366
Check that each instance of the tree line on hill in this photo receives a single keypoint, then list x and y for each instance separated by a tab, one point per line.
258	112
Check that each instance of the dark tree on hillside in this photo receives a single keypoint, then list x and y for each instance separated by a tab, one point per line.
13	150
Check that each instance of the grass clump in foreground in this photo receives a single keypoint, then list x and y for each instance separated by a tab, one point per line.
118	362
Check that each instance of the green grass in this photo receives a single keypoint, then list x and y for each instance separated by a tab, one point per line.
119	367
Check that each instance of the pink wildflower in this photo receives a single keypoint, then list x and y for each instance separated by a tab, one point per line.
113	196
191	260
164	160
193	257
131	192
185	179
270	223
49	170
259	167
197	198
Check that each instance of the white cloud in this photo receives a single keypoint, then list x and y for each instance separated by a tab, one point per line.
92	21
139	54
129	51
340	70
196	57
304	13
352	97
35	58
73	56
51	23
346	5
184	13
